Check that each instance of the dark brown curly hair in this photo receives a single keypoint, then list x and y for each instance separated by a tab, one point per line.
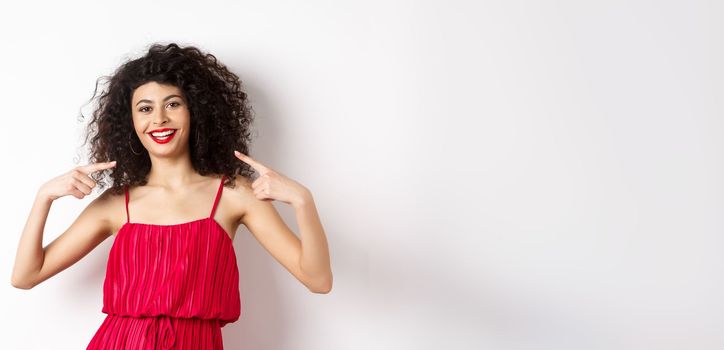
221	116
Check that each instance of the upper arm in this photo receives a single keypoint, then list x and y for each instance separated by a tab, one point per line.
268	227
88	230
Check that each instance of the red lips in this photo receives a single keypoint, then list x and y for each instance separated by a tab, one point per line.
165	139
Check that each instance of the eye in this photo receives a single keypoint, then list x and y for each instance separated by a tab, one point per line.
142	109
174	103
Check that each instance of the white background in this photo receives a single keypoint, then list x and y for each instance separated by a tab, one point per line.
491	174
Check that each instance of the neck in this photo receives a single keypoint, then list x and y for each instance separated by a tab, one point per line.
176	172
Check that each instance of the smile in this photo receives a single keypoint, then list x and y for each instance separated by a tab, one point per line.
162	136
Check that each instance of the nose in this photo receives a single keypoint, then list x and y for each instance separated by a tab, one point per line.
160	117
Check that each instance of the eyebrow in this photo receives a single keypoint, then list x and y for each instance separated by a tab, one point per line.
165	98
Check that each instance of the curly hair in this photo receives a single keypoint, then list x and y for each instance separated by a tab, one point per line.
221	116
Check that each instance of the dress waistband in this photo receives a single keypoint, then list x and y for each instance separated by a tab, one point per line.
162	333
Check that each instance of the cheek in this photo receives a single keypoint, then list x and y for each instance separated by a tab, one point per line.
186	115
185	122
139	127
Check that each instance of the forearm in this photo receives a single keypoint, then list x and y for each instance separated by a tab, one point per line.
314	259
30	255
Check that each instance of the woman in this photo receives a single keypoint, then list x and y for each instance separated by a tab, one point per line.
168	132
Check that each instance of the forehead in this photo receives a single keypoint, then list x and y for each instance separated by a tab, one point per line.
154	91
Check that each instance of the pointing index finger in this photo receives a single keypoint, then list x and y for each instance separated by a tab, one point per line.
254	164
89	168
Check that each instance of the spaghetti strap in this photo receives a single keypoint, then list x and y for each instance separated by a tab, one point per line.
218	195
128	217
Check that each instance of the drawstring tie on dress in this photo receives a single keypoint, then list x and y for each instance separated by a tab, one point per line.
164	333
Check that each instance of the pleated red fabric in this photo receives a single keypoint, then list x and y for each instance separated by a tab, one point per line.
169	286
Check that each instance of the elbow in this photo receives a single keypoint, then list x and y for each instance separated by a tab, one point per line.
324	290
20	284
323	286
21	281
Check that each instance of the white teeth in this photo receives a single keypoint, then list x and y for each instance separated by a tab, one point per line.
162	134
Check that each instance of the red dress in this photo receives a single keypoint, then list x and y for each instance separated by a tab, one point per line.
169	286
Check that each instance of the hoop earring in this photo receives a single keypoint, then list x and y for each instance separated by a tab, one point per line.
133	150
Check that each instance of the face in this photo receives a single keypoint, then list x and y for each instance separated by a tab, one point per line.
161	119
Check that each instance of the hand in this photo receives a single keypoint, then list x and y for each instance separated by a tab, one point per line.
75	182
271	185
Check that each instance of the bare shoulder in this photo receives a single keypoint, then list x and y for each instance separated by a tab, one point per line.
242	194
243	189
109	208
257	212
